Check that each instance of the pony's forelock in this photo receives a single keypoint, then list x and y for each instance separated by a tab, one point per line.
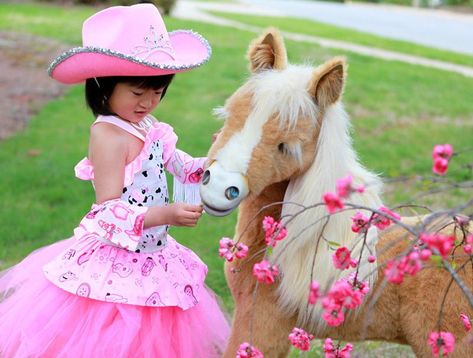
284	92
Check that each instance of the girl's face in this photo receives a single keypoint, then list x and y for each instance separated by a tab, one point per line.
133	103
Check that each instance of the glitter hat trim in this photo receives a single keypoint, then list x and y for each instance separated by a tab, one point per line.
129	41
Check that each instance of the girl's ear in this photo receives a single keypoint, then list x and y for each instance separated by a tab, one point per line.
327	83
267	52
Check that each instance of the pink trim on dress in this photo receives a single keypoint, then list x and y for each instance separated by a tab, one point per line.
120	123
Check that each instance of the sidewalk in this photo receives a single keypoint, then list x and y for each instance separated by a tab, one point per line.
196	10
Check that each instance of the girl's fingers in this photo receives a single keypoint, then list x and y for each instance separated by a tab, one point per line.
193	215
194	208
190	219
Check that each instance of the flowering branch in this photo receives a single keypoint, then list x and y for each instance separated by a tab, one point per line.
427	243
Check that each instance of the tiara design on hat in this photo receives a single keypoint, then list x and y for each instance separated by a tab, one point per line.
154	42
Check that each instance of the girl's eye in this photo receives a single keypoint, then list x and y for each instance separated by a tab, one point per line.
137	93
158	92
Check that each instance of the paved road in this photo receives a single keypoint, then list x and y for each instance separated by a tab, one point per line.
435	28
195	10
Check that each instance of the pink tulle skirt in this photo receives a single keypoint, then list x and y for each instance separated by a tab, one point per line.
38	319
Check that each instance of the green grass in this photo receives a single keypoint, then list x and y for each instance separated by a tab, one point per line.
399	112
61	23
323	30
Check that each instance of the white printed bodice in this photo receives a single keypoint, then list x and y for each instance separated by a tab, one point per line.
149	188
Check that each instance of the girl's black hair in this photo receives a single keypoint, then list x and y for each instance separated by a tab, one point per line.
98	90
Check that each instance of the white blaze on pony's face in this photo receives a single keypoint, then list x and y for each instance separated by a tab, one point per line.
271	125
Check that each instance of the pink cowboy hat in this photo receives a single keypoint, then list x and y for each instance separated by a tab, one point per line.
129	41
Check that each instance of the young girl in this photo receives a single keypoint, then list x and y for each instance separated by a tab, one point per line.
121	286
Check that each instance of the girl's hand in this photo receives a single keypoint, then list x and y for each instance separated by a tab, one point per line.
180	214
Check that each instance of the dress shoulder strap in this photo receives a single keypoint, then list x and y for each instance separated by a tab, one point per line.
120	123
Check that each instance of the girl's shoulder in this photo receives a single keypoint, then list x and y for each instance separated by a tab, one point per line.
108	134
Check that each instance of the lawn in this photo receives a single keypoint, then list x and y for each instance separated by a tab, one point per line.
399	112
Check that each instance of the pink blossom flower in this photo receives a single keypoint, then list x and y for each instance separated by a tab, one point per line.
341	258
328	345
442	243
332	202
345	188
371	259
411	263
333	315
264	272
441	155
360	223
467	248
440	166
466	321
246	350
344	294
329	348
383	221
300	339
241	250
226	246
425	254
273	231
314	293
469	239
396	269
335	352
442	343
228	249
393	272
359	285
345	352
442	151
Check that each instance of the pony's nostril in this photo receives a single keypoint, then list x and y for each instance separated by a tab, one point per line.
206	177
232	193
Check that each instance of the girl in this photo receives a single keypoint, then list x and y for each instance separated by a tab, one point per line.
121	286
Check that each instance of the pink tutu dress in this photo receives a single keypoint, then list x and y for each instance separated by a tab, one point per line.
115	289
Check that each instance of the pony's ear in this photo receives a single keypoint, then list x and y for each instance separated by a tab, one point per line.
267	52
326	85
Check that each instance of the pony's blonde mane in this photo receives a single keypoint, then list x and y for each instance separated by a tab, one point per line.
335	158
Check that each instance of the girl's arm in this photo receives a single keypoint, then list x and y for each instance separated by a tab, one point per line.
184	168
187	172
108	152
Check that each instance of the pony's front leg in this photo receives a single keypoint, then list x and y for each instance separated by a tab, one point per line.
260	322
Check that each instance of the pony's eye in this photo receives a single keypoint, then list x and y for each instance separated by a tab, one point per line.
282	147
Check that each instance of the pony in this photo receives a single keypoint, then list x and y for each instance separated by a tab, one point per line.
284	143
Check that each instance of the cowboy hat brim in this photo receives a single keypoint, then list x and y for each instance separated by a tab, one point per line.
191	50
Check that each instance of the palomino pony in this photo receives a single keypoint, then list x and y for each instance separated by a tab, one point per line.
285	142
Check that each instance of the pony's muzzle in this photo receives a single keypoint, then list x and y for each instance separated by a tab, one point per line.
222	191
